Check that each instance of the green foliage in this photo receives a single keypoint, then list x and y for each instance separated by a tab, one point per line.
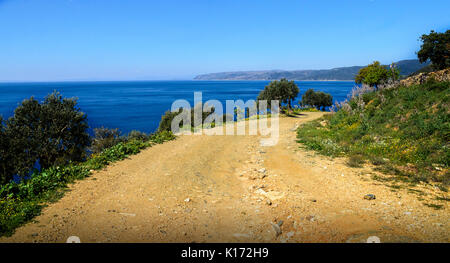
105	138
404	129
355	160
137	135
282	90
53	132
166	120
20	202
435	47
6	157
317	99
375	74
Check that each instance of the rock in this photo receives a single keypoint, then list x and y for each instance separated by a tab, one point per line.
369	197
239	235
313	200
262	170
187	200
408	213
261	192
127	214
280	223
277	229
310	218
290	234
268	202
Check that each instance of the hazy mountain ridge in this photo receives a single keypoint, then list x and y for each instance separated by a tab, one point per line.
343	73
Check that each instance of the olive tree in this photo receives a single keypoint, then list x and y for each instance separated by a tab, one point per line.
436	48
53	132
282	90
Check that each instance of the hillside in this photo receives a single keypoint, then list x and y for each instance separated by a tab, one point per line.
344	73
404	130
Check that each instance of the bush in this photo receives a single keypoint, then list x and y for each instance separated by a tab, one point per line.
166	120
105	138
20	202
51	133
282	90
5	156
137	135
399	127
317	99
356	161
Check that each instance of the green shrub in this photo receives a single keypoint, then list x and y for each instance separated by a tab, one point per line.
166	120
6	156
317	99
137	135
53	132
407	125
20	202
356	161
105	138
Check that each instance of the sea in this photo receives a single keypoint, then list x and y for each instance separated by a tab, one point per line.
139	105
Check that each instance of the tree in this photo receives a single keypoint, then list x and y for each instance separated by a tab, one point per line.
436	48
282	90
53	133
105	138
375	74
317	99
5	156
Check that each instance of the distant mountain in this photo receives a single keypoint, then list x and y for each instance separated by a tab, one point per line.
345	73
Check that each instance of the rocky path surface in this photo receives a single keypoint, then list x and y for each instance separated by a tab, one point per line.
232	189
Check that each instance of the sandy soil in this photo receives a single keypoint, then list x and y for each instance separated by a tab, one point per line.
232	189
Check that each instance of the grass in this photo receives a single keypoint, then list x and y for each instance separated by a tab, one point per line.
404	131
356	161
21	202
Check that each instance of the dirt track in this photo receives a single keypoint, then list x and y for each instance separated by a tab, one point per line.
215	189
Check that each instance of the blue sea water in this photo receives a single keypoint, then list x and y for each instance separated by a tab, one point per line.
139	105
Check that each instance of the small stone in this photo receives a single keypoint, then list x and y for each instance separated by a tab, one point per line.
261	192
310	218
127	214
290	234
268	202
369	197
277	229
280	223
262	170
187	200
239	235
313	200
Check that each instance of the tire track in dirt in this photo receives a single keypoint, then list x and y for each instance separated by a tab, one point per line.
232	189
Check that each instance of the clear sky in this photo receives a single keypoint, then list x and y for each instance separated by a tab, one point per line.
177	39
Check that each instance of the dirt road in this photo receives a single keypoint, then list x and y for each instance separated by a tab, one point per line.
231	189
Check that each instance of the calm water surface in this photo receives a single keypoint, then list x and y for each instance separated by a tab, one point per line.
138	105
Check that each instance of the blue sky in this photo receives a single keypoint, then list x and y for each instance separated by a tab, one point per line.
52	40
